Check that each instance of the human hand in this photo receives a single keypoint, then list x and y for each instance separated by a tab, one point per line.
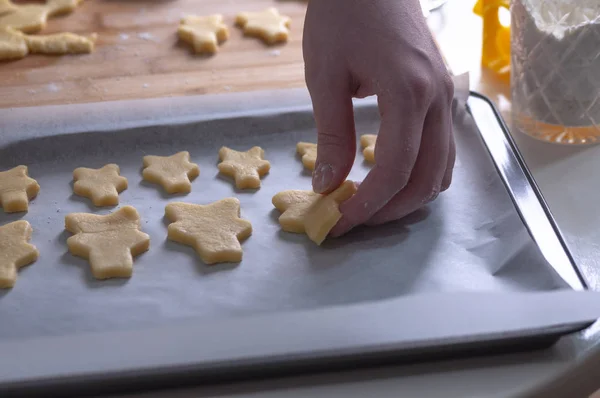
358	48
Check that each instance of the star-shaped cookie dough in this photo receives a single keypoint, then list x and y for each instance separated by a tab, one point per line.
308	151
101	185
109	242
203	33
312	213
246	167
214	230
15	252
12	45
268	25
172	172
368	141
17	189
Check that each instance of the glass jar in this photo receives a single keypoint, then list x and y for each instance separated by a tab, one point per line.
555	69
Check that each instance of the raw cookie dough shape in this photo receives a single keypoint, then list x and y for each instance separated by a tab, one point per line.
61	43
15	251
32	18
62	7
6	6
312	213
246	167
268	25
12	45
368	141
109	242
214	230
172	172
102	185
203	33
17	189
308	151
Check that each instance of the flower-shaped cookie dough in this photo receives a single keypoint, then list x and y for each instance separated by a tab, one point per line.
214	230
17	189
15	251
245	167
311	213
102	185
172	172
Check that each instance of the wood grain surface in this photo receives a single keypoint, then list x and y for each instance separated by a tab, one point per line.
138	55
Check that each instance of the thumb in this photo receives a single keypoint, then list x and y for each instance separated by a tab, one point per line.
336	143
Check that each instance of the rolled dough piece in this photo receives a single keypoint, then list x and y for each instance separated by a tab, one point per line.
214	230
308	151
368	141
109	242
311	213
12	45
172	172
17	189
203	33
61	43
15	251
101	185
268	25
245	167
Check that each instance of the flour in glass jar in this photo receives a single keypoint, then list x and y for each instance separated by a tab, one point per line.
556	69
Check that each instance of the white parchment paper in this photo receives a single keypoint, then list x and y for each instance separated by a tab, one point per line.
470	238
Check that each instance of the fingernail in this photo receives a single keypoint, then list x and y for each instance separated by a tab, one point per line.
322	177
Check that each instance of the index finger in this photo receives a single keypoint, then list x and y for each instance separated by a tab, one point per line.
396	152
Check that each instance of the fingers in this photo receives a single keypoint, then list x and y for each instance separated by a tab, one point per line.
430	171
334	116
447	180
396	152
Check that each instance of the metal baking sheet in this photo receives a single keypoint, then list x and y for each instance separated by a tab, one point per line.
471	239
464	271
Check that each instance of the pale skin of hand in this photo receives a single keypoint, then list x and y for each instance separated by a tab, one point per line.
359	48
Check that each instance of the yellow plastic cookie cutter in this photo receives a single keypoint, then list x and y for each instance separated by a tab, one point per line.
495	53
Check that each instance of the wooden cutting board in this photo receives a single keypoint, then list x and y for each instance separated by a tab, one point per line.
138	55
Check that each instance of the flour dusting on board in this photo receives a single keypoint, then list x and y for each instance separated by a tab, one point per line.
52	87
147	36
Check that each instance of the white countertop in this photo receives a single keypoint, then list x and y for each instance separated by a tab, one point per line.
568	179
